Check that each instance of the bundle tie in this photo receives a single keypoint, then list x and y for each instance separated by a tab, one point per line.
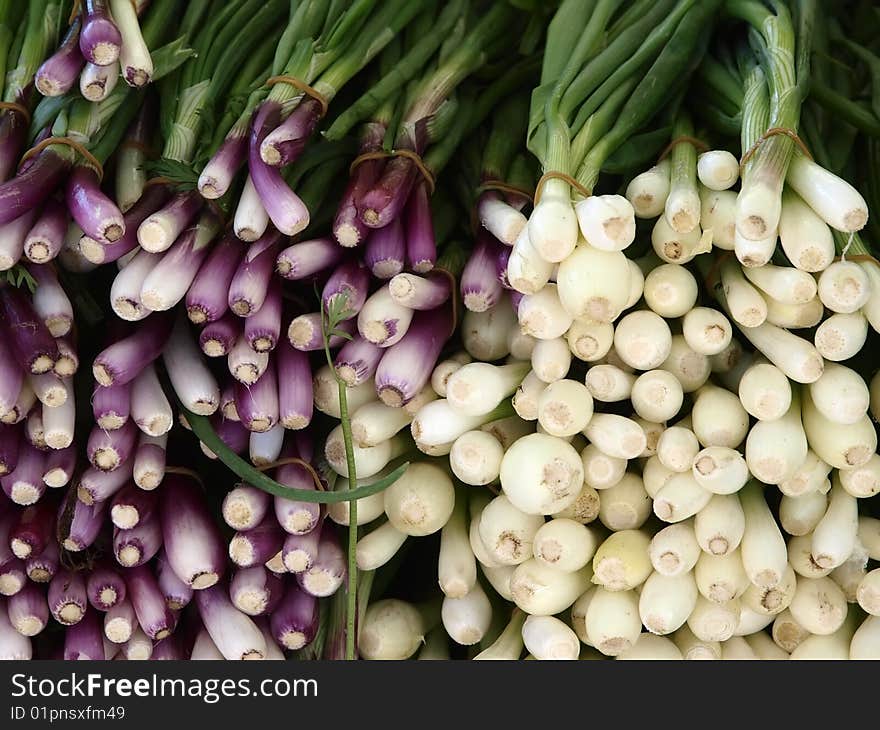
319	485
91	160
13	106
713	276
185	471
772	132
408	154
685	138
553	175
303	87
504	187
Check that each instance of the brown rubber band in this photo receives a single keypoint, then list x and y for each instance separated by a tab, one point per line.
772	132
694	141
504	187
553	175
185	472
303	87
408	154
91	160
713	276
12	106
453	295
319	485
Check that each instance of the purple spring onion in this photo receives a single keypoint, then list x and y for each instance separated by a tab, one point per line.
231	433
328	570
60	464
194	384
27	190
421	246
257	404
79	523
244	507
420	292
286	142
96	83
255	590
150	409
131	505
108	450
97	485
68	361
227	401
250	283
84	640
168	649
94	212
99	41
60	71
12	574
218	337
285	209
125	291
177	593
14	646
105	587
10	440
99	252
46	236
305	332
193	544
111	406
120	621
294	516
294	621
256	546
24	485
139	544
170	279
204	648
153	615
148	469
32	345
234	633
41	568
50	301
246	364
206	299
220	170
22	406
264	448
351	279
67	597
13	130
12	236
124	360
263	329
348	228
300	552
59	422
307	258
160	229
33	429
480	287
383	321
295	401
251	219
28	611
34	529
386	198
407	366
385	250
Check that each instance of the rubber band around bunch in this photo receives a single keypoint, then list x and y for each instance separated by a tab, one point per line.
319	485
426	174
12	106
503	187
303	87
685	138
90	159
554	175
772	132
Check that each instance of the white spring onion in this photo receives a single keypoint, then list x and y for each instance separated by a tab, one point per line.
445	368
717	169
770	601
553	227
665	602
720	525
648	191
369	461
806	239
680	497
693	648
677	448
391	629
421	501
809	477
475	458
621	561
841	446
564	544
706	331
607	222
527	271
501	220
670	290
507	533
841	395
800	515
499	579
600	470
865	643
834	646
590	341
765	391
783	283
764	555
542	314
547	637
542	474
841	336
719	418
477	388
718	216
543	591
611	620
818	605
775	449
616	436
794	316
378	547
786	632
564	408
837	202
625	505
676	248
720	578
551	359
657	395
800	557
714	621
437	422
609	383
594	284
844	287
862	481
467	618
674	549
834	538
643	340
690	367
484	334
849	575
745	303
868	592
509	644
525	399
651	647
